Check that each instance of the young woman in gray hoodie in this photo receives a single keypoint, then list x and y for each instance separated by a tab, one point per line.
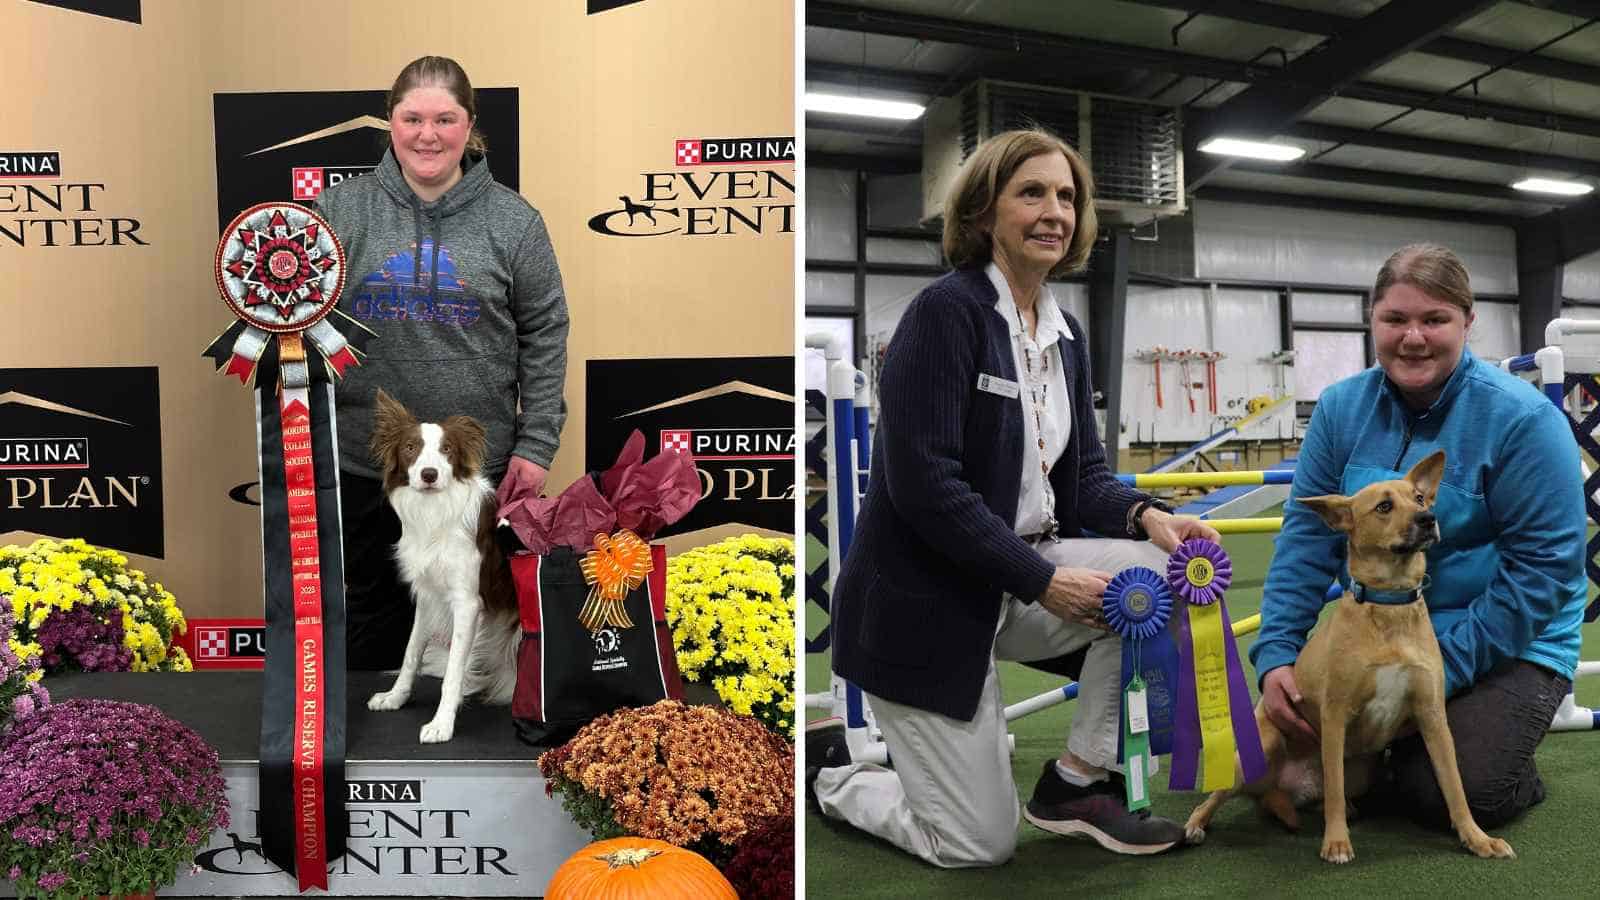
456	275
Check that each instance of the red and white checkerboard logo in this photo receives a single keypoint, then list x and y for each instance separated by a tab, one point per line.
211	643
307	183
688	153
676	441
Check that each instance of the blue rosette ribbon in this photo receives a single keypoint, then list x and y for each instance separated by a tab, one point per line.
1214	719
1138	605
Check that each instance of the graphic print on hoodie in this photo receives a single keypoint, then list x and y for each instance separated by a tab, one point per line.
403	290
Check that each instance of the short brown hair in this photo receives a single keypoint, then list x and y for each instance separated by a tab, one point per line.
1431	269
440	72
967	244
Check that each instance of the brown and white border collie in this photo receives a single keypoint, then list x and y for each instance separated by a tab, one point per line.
460	580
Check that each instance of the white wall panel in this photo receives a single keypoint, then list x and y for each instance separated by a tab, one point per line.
831	289
830	214
1497	333
1582	278
1309	307
1234	240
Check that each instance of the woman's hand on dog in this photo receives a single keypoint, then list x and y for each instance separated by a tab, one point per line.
1167	531
1076	595
1281	697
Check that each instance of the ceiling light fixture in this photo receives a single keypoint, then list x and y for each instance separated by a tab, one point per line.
1223	146
1553	186
841	104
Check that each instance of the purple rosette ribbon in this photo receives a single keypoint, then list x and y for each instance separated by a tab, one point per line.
1214	717
1199	571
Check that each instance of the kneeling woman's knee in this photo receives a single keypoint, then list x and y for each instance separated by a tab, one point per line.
985	850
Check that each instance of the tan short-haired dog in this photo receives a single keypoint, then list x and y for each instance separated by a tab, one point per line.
1369	670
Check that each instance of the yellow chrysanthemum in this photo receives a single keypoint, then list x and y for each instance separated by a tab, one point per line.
730	606
48	576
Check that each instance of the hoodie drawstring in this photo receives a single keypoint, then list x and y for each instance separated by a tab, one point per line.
416	253
435	218
433	269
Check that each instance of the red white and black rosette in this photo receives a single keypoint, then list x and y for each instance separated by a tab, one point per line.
280	269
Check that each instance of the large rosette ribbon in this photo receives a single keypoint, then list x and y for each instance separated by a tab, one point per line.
1214	719
1137	604
280	269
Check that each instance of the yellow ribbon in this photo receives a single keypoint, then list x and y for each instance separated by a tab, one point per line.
1211	696
616	565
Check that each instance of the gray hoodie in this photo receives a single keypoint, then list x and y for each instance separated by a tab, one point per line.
466	299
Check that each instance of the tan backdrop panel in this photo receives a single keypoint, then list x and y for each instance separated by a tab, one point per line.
602	99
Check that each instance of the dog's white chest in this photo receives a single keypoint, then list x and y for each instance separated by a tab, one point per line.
1391	690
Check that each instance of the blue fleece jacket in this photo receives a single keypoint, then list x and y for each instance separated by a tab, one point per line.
1507	573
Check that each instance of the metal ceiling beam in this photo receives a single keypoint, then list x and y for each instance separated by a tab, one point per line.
1366	207
1580	8
1389	140
910	130
922	84
1397	180
1032	46
1472	108
1035	48
1326	24
1396	28
877	165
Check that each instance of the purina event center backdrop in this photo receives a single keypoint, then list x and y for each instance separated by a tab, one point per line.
122	118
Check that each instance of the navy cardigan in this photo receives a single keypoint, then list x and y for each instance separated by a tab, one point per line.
916	604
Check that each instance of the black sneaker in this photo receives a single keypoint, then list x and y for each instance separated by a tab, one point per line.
826	748
1097	812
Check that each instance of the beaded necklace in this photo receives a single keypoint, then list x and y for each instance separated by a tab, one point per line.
1038	378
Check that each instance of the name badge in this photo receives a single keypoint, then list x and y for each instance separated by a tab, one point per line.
994	384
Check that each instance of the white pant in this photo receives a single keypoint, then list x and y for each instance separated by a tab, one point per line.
950	798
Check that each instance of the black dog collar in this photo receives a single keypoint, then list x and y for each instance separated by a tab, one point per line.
1365	594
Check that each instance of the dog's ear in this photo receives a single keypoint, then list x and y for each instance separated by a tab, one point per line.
1425	476
390	421
470	441
1334	509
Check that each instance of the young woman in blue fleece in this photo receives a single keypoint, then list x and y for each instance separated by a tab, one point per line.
1508	587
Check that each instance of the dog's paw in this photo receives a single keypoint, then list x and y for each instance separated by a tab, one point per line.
1337	851
1194	834
388	700
1485	847
438	731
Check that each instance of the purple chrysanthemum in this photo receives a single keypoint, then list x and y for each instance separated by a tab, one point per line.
106	776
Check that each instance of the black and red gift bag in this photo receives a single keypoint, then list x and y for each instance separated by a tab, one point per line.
568	675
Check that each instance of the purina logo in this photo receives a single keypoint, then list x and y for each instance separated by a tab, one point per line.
729	201
34	164
731	443
17	454
729	151
225	643
308	181
80	456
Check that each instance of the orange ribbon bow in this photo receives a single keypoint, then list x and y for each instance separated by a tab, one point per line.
615	566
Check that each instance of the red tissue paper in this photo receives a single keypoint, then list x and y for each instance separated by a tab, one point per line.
642	497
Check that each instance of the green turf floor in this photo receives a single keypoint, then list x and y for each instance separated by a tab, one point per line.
1245	855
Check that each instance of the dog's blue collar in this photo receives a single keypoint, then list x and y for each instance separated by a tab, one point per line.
1365	594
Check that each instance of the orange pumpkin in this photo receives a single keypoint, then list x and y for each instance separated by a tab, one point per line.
629	867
